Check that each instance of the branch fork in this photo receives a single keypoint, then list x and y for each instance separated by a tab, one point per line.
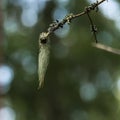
68	18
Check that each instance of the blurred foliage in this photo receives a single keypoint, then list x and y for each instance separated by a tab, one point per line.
81	80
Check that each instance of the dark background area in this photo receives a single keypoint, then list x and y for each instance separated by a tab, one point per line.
81	83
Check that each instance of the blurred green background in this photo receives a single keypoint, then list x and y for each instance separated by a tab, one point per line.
82	82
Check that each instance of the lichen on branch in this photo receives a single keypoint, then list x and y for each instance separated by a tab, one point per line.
44	41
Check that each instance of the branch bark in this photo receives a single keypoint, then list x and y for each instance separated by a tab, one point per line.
68	18
43	58
106	48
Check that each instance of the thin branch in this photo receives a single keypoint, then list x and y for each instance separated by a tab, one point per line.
106	48
59	24
93	27
44	41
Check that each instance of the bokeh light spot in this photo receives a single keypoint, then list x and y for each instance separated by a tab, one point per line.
59	13
88	92
29	17
62	32
116	89
6	75
7	113
27	60
103	80
10	25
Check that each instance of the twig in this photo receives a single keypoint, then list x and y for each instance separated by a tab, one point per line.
44	44
59	24
106	48
93	27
